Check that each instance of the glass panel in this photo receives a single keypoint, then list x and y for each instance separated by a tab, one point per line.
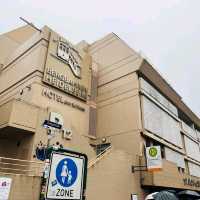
198	134
189	130
175	157
192	148
157	96
194	169
160	123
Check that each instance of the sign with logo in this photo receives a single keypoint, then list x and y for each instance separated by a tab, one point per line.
67	176
5	185
64	51
63	83
67	67
154	159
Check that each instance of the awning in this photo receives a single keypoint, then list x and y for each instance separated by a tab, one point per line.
189	193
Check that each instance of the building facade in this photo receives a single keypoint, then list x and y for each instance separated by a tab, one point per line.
109	100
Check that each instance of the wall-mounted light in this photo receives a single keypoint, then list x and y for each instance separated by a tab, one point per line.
103	140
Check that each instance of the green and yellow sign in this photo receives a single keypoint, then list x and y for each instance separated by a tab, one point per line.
154	159
153	151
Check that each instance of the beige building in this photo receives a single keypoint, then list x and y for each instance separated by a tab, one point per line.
109	101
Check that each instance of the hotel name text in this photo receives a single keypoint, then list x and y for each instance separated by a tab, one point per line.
60	99
63	83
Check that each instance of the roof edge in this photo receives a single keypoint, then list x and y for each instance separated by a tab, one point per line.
162	85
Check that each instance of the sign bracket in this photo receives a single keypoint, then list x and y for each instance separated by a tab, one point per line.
136	168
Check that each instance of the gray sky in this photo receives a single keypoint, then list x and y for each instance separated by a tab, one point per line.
167	32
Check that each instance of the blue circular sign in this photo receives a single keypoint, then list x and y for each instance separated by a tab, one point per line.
66	172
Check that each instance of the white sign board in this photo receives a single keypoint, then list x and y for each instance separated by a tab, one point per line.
134	197
154	159
5	185
66	177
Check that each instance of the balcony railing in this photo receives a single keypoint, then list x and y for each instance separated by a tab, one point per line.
24	167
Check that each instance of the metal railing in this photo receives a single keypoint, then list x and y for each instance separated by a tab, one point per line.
35	168
93	161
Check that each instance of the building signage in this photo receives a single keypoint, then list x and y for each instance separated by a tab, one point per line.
191	182
154	159
134	197
67	176
60	99
5	185
63	83
48	124
66	69
64	52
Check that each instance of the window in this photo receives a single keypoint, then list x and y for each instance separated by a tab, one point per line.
181	170
192	148
175	157
148	142
194	169
148	88
189	130
161	123
198	134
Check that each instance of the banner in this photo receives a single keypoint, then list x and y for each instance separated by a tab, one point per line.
5	185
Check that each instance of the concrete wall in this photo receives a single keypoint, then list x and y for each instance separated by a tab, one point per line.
114	58
23	60
168	175
118	120
74	119
111	178
24	67
16	113
118	102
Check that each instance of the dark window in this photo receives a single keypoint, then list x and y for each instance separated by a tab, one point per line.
148	142
181	170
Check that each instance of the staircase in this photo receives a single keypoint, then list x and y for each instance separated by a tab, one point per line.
100	156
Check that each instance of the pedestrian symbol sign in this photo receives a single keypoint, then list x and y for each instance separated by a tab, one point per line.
67	176
66	172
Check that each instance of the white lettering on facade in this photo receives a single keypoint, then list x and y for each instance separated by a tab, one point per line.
62	82
58	98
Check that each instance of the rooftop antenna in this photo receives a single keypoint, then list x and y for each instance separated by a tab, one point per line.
30	24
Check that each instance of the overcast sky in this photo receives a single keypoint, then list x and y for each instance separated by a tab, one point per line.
166	31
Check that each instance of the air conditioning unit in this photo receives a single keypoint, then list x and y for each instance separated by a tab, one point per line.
67	134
